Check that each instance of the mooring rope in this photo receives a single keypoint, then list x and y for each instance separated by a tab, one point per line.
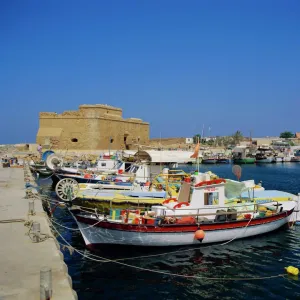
165	253
75	229
168	273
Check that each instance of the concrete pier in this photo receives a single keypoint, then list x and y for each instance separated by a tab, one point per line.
20	259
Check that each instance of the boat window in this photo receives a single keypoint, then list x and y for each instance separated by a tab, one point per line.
134	169
74	140
127	166
119	165
103	164
211	198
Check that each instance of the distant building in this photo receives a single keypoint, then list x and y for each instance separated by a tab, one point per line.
264	140
92	127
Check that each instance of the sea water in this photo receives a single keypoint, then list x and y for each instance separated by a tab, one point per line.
238	262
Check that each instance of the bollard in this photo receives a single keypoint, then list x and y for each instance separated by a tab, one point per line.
36	230
45	283
31	208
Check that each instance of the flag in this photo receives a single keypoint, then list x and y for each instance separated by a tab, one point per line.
196	151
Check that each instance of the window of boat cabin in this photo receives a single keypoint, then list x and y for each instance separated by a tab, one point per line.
134	169
103	164
211	197
127	167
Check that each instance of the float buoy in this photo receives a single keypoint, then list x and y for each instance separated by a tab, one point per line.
169	200
181	204
210	182
199	235
292	270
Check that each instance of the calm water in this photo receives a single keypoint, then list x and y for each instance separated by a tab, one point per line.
253	257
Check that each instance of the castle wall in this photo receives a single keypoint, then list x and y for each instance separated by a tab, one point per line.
91	128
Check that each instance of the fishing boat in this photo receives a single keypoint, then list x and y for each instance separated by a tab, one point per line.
296	157
209	160
242	155
198	216
264	155
223	160
164	185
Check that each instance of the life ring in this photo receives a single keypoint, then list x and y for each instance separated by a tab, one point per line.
210	182
180	204
169	200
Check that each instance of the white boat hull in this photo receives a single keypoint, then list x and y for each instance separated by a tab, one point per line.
97	235
283	159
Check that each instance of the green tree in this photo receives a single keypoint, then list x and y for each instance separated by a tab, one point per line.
219	141
286	135
196	138
227	140
237	137
210	142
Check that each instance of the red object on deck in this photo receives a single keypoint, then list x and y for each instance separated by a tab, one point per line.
148	221
120	171
87	176
186	220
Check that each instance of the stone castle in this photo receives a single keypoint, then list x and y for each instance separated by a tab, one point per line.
92	127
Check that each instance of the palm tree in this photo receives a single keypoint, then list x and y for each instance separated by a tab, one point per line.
227	140
196	138
237	137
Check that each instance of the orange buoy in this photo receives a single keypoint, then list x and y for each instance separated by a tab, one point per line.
199	235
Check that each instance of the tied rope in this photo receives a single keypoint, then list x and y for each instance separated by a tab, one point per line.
168	273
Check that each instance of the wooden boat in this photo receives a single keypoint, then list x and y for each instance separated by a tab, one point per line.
264	155
246	160
199	217
209	161
223	160
242	155
296	157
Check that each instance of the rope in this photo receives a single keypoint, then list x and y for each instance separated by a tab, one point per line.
47	177
176	251
74	229
42	236
12	221
170	274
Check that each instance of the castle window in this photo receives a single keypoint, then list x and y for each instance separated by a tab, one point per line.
74	140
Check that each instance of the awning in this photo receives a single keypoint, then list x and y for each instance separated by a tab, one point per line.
155	156
49	132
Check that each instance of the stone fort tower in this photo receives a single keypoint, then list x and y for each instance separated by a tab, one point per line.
92	127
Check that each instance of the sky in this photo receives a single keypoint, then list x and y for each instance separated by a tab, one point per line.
179	65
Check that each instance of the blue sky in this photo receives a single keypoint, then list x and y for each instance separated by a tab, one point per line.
230	65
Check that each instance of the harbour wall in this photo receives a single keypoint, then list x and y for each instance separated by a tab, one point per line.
21	258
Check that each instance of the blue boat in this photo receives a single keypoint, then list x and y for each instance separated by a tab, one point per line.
223	161
81	179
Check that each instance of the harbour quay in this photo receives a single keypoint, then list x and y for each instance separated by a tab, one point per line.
32	265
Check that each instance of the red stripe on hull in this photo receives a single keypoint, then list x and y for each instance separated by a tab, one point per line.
180	227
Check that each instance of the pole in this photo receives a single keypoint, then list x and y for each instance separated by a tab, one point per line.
198	156
160	152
